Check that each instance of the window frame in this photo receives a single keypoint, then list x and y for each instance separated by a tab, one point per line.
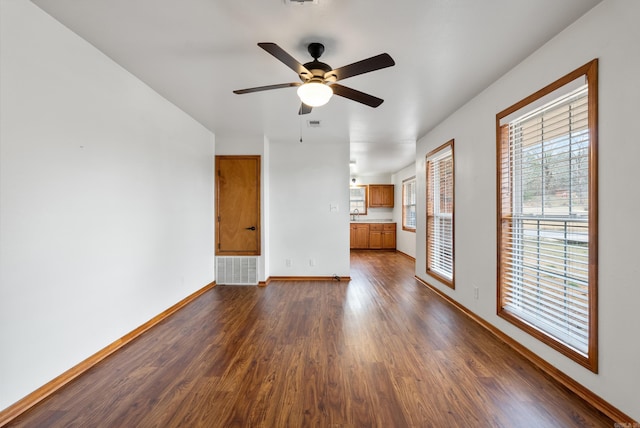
405	183
450	282
365	189
504	206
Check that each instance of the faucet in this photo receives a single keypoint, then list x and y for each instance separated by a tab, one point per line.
354	214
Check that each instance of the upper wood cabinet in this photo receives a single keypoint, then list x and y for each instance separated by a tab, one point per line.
381	195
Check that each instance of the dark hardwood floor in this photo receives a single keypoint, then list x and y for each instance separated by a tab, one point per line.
380	351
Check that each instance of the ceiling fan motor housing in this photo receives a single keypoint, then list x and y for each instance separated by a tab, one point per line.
317	69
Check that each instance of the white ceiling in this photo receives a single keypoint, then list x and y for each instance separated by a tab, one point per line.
195	52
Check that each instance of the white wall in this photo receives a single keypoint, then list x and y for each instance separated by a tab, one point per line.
299	182
405	240
106	201
231	145
306	180
266	209
611	33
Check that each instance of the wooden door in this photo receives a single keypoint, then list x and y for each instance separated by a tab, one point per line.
238	205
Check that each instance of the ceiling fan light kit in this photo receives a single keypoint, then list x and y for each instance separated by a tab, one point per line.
318	79
314	93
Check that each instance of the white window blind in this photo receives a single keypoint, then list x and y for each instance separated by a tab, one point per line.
440	181
545	219
358	200
409	203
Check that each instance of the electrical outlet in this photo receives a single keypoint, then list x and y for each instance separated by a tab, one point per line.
288	263
476	293
312	262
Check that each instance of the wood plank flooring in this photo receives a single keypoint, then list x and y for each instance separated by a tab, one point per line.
380	351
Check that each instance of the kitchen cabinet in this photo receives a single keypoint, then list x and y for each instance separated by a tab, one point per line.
389	236
382	236
373	236
359	236
381	195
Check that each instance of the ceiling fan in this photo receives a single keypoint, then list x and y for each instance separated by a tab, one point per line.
319	79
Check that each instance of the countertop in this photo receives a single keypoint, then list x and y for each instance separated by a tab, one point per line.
372	220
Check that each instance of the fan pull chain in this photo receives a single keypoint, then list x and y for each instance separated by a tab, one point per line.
300	118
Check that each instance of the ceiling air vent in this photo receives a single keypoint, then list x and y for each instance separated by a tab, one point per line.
313	123
300	2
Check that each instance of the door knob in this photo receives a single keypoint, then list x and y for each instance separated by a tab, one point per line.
250	228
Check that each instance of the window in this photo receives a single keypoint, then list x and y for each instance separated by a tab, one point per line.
547	207
409	204
440	213
358	199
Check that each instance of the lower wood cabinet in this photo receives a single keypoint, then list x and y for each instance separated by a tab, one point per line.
373	236
359	236
389	237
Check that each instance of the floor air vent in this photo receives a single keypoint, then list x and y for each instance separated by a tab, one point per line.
237	270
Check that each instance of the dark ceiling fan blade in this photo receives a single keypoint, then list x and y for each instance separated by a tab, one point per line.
358	96
304	109
266	88
284	57
365	66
